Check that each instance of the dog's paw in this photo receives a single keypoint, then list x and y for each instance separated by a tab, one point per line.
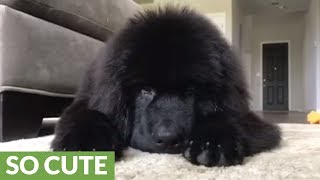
209	146
91	132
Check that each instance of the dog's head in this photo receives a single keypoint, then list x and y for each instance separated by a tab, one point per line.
174	65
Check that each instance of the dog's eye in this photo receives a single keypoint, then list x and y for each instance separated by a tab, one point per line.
147	91
190	91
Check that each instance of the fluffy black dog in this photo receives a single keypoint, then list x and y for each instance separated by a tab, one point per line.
167	83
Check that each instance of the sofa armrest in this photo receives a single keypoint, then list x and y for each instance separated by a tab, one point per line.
94	18
111	14
39	56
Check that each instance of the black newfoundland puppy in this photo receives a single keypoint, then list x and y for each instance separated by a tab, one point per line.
167	83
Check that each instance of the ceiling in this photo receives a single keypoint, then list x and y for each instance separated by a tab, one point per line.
274	6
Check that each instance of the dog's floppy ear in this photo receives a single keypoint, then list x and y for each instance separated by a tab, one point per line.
108	94
235	94
225	89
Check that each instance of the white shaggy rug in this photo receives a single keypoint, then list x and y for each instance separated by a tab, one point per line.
297	158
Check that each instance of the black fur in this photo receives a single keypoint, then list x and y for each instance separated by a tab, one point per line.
167	83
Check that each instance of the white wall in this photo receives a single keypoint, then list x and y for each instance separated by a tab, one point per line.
318	62
236	25
269	28
311	57
246	47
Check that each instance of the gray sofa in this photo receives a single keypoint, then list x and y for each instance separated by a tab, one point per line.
45	46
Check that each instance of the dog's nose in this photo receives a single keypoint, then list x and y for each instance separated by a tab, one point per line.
164	136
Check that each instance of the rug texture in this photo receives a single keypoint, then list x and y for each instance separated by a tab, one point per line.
297	158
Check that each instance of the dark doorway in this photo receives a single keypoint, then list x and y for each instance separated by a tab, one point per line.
275	76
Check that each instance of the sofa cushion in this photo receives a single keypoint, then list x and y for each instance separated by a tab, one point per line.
95	18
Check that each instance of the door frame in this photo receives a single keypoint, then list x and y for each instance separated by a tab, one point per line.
289	69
